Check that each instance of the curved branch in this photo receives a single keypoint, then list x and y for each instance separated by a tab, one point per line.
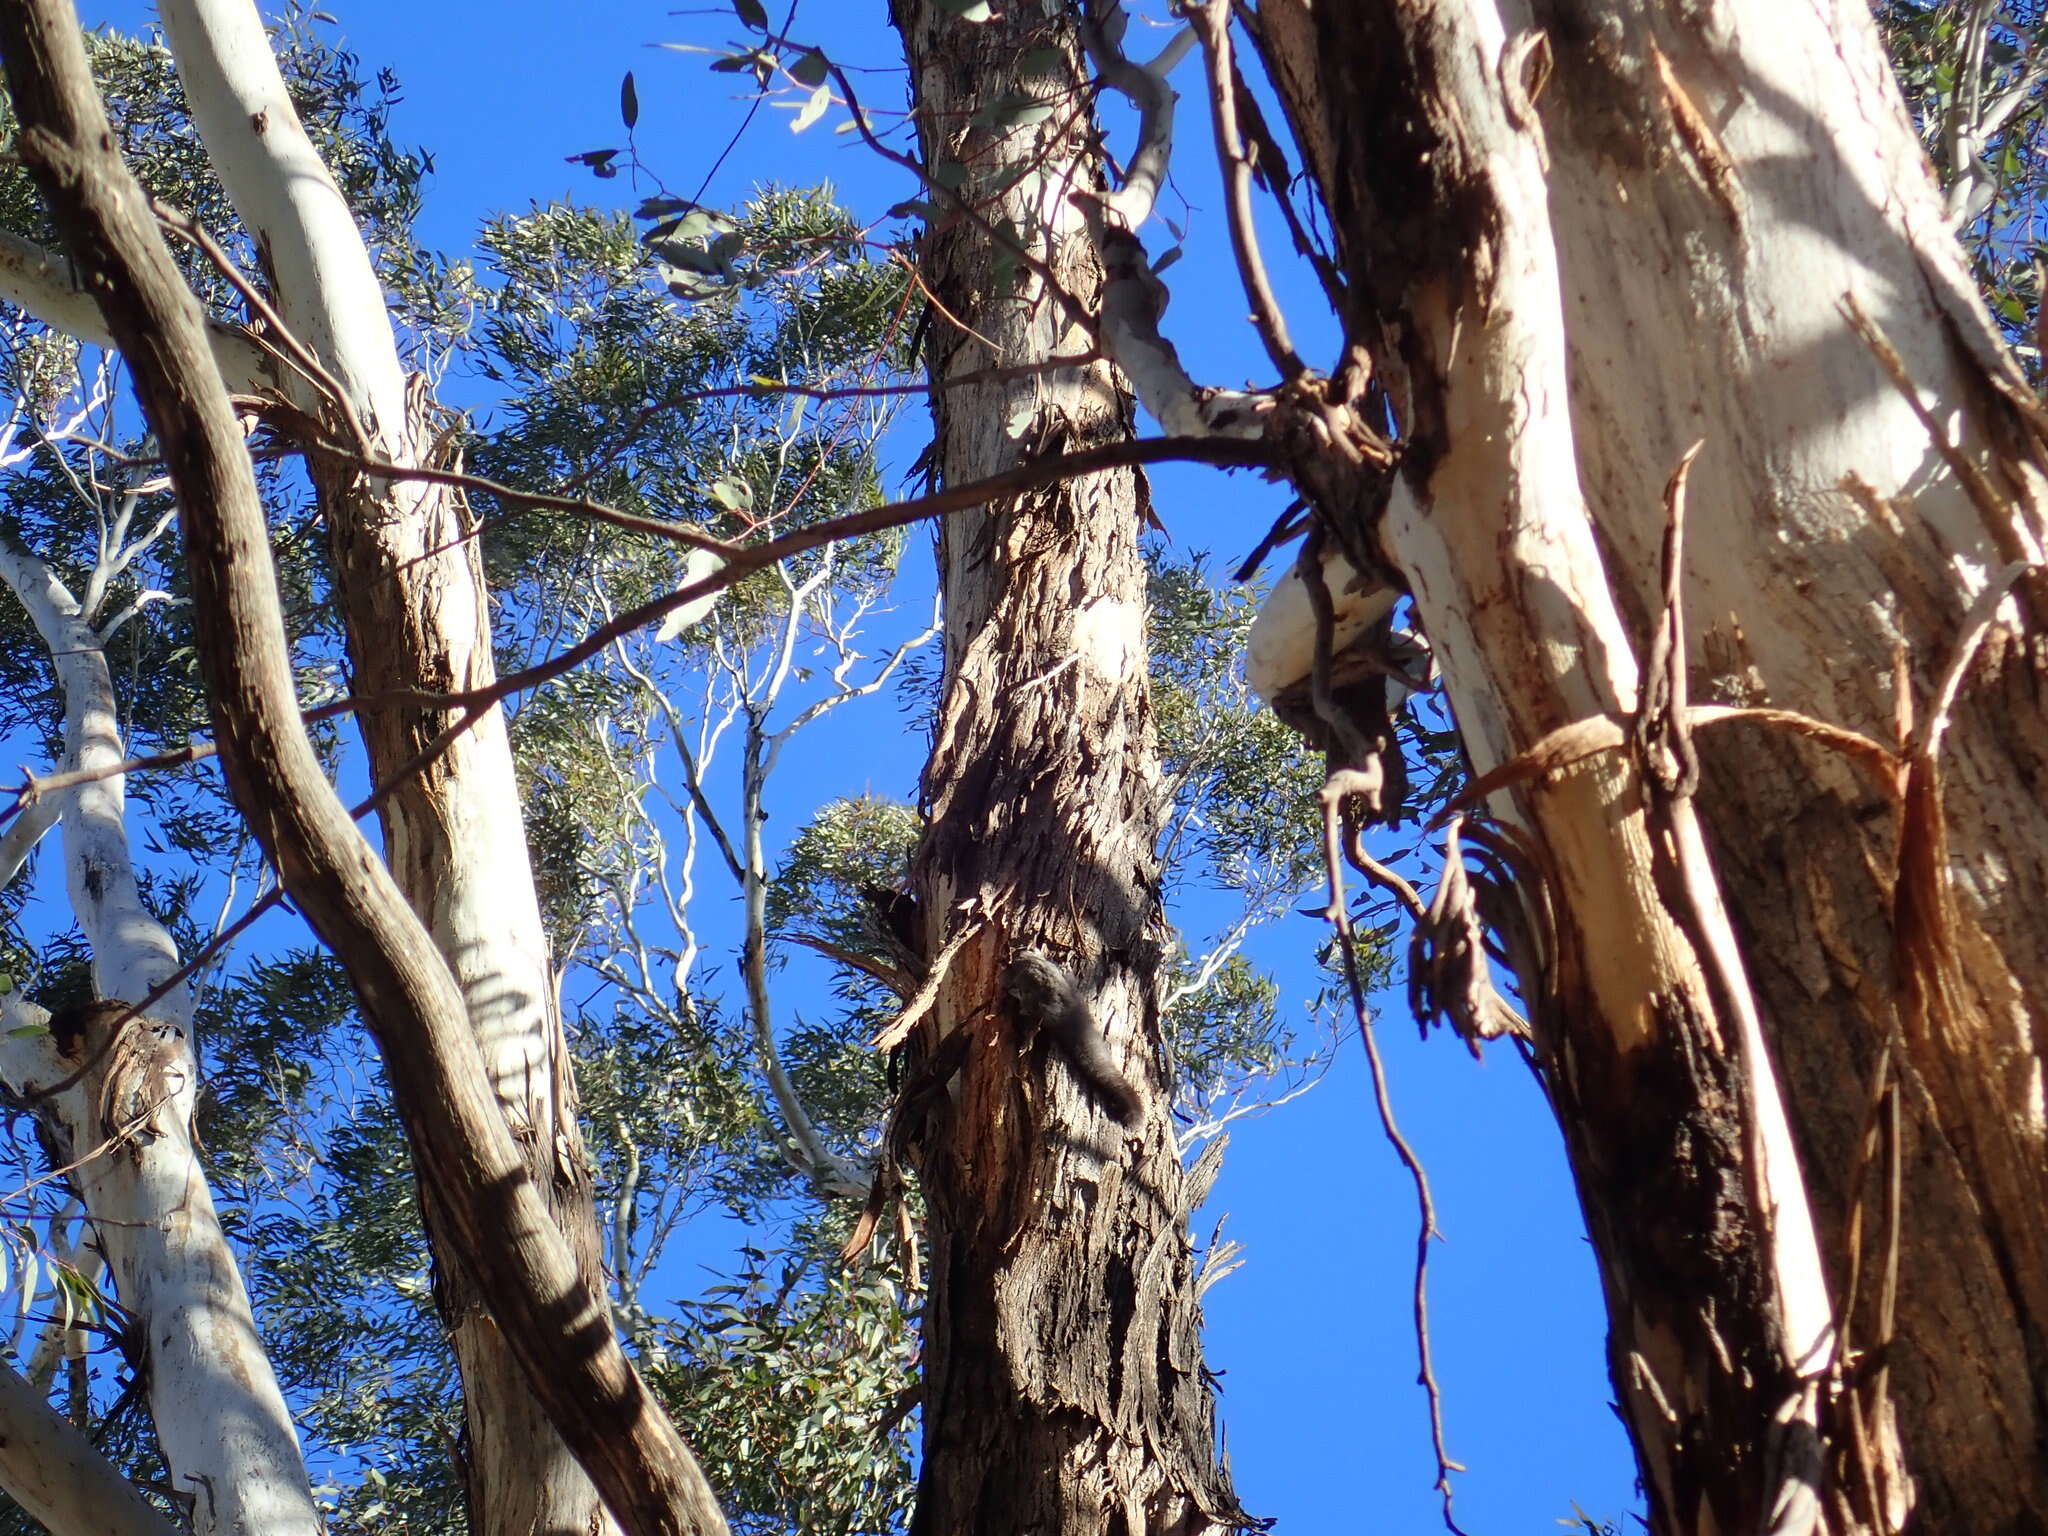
45	286
1145	86
1214	25
556	1325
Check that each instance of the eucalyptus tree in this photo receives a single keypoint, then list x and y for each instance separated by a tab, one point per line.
800	244
90	562
1662	377
716	397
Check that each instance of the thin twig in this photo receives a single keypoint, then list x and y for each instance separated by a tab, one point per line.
742	560
276	333
1335	790
34	789
1212	25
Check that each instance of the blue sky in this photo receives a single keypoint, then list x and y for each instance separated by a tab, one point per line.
1313	1337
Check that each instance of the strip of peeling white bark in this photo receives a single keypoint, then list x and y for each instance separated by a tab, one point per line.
220	1416
1507	410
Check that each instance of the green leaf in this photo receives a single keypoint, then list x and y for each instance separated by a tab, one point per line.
813	109
629	102
975	11
751	13
27	1031
811	67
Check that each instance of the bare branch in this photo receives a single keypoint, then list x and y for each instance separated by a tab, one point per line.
1146	88
1213	23
45	285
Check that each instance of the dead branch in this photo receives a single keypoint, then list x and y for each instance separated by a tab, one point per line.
1662	733
1582	739
1340	785
276	335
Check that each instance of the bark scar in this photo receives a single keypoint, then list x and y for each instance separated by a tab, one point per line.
1703	145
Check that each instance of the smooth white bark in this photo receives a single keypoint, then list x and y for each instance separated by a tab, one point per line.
59	1477
41	283
220	1416
485	916
411	583
1508	409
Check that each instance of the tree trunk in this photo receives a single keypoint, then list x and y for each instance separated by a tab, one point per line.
558	1325
1063	1381
1820	486
1672	224
410	578
114	1095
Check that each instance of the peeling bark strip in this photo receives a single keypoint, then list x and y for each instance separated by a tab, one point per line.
1064	1392
554	1321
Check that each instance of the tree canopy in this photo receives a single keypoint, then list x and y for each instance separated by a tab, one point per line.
650	478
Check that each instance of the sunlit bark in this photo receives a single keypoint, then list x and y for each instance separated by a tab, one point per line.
411	583
1647	226
115	1096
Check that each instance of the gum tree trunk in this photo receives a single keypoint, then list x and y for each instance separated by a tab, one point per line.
557	1324
114	1095
1589	236
1063	1385
411	583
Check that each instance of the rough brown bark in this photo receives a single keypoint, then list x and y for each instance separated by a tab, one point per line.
1064	1389
556	1323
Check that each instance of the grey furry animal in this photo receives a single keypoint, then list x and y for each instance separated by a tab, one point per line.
1045	996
